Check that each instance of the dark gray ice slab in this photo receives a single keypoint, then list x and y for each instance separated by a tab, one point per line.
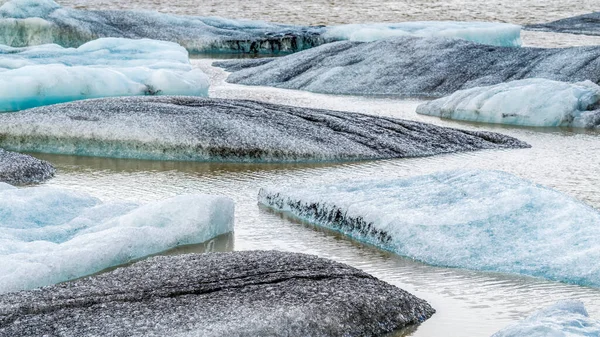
204	129
586	24
413	66
252	293
20	169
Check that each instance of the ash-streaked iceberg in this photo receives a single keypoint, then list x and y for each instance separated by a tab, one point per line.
490	33
204	129
49	74
50	235
247	293
586	24
414	66
481	220
22	169
33	22
530	102
565	319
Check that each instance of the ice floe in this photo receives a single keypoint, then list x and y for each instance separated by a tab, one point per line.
49	74
482	220
530	102
22	169
50	235
586	24
204	129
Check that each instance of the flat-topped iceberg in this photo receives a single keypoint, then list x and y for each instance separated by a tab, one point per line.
204	129
49	74
247	293
586	24
50	235
565	319
530	102
22	169
32	22
414	66
497	34
481	220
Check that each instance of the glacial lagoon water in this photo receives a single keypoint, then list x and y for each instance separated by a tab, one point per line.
468	303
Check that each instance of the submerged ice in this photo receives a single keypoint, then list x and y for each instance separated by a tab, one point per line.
564	319
50	235
414	66
49	74
204	129
530	102
481	220
32	22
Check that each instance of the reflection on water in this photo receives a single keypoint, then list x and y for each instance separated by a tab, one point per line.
468	303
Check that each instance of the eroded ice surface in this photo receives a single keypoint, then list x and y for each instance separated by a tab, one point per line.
31	22
530	102
204	129
586	24
414	66
481	220
21	169
50	235
497	34
49	74
564	319
248	293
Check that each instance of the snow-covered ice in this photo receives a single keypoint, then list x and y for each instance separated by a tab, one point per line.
50	235
414	66
31	22
530	102
566	318
49	74
481	220
497	34
205	129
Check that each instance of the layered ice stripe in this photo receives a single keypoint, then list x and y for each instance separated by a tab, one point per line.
32	22
109	67
565	319
49	235
497	34
481	220
530	102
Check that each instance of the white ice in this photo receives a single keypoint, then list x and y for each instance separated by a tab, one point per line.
481	220
50	235
108	67
564	319
529	102
498	34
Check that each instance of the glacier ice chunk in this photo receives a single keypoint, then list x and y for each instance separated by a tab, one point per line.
204	129
530	102
32	22
497	34
586	24
247	293
566	318
22	169
49	74
50	235
414	66
481	220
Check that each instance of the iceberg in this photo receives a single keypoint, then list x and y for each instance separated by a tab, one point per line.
49	74
414	66
481	220
22	169
33	22
205	129
50	235
566	318
496	34
247	293
530	102
586	24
